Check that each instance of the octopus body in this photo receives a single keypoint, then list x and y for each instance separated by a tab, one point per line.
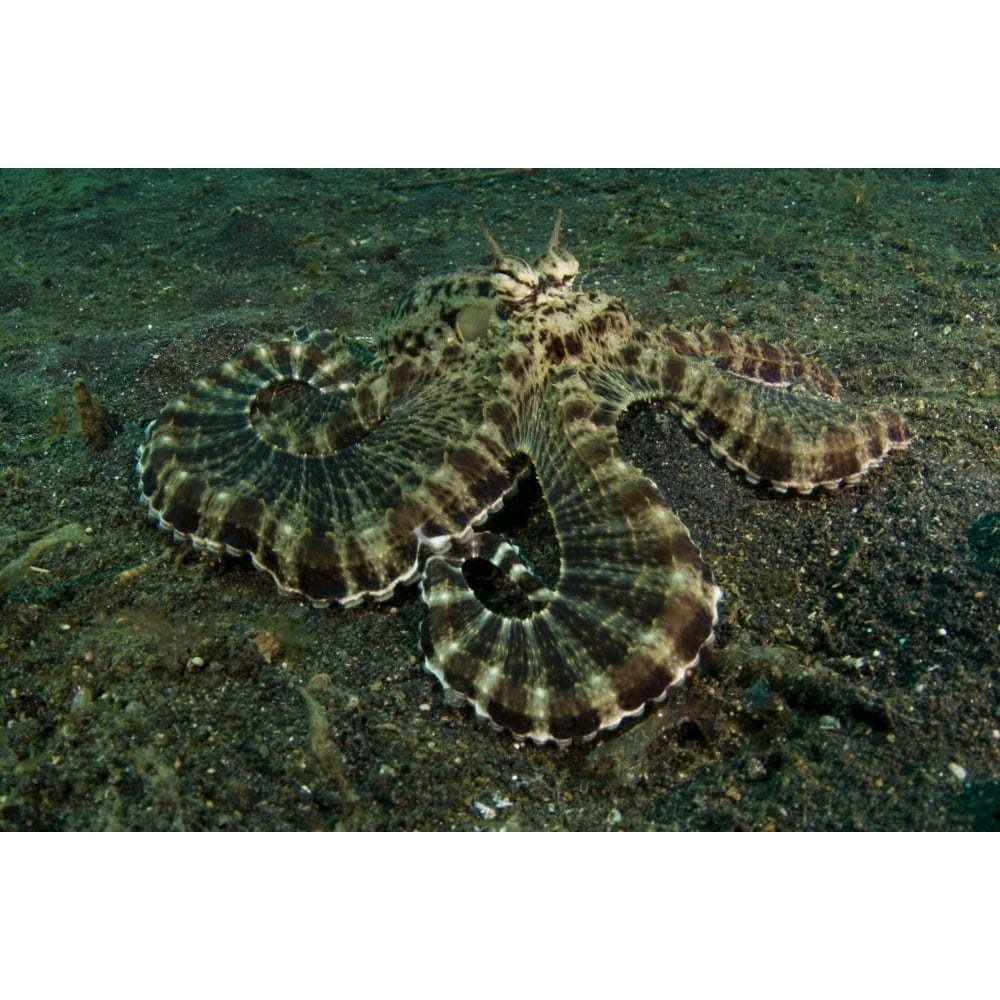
345	474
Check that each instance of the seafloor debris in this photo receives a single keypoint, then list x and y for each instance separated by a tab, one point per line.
96	427
68	534
325	750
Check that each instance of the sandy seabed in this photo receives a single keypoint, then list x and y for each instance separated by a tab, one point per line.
854	680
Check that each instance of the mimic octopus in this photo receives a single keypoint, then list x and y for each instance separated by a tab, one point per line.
345	471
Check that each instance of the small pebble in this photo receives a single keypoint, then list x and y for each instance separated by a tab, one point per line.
487	812
958	771
82	701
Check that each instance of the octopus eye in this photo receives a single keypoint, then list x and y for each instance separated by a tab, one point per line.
515	280
557	267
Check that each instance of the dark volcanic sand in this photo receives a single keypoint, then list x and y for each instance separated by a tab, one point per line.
855	680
